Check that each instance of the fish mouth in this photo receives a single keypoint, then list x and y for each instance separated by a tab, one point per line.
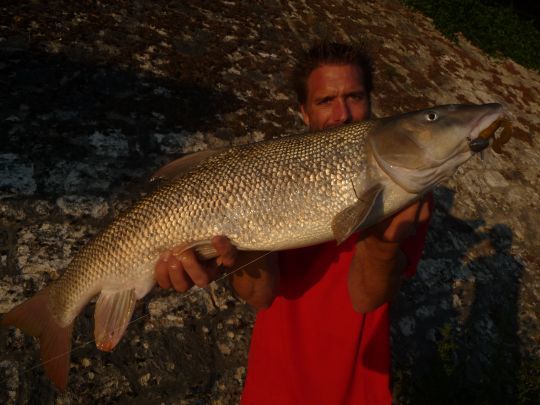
497	133
478	144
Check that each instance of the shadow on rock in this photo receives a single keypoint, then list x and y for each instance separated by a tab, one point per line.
72	126
461	345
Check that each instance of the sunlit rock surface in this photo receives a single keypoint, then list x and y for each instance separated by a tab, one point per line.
95	96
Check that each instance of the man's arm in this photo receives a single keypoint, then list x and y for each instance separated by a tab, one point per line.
378	263
255	282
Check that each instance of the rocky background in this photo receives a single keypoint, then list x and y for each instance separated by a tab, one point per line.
95	95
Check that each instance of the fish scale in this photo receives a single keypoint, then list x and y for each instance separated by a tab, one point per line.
250	193
273	195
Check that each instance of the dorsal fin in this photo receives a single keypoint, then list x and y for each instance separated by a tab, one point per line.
179	167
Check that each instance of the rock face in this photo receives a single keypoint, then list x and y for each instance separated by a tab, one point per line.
95	96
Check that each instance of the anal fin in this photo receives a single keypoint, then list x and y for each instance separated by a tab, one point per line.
114	309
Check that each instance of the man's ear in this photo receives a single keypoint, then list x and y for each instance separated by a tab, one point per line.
305	117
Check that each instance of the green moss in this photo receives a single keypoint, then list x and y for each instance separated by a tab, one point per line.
498	30
446	349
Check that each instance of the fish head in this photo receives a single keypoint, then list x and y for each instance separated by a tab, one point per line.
420	149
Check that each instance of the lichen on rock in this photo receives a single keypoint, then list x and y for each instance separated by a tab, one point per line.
101	95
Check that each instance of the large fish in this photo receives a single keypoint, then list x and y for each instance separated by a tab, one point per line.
272	195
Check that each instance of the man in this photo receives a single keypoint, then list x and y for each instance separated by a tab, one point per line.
322	332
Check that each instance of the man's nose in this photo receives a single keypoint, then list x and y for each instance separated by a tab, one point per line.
342	112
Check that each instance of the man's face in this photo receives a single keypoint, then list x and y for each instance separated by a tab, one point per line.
335	96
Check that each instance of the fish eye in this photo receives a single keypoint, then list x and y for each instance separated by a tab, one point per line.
432	116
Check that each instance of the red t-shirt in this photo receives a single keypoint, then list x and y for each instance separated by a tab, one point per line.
310	346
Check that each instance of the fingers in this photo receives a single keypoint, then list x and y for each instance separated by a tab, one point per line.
179	278
411	213
412	216
423	211
404	223
161	271
226	251
193	269
182	270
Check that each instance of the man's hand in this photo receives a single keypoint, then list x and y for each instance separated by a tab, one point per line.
182	270
256	283
401	225
378	262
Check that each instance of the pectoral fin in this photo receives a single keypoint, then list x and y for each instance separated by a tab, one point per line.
203	249
352	218
114	309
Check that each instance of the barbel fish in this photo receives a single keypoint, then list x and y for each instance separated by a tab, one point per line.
272	195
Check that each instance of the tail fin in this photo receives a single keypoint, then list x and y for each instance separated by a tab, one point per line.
34	318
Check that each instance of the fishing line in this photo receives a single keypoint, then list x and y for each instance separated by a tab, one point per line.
187	294
184	295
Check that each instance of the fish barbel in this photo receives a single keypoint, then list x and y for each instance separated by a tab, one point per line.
272	195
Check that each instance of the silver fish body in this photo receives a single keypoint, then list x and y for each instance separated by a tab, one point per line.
264	196
273	195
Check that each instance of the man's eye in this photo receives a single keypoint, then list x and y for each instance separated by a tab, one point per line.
358	96
324	101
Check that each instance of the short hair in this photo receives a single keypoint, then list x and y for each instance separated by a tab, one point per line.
330	53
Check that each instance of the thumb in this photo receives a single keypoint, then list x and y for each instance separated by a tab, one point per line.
226	251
